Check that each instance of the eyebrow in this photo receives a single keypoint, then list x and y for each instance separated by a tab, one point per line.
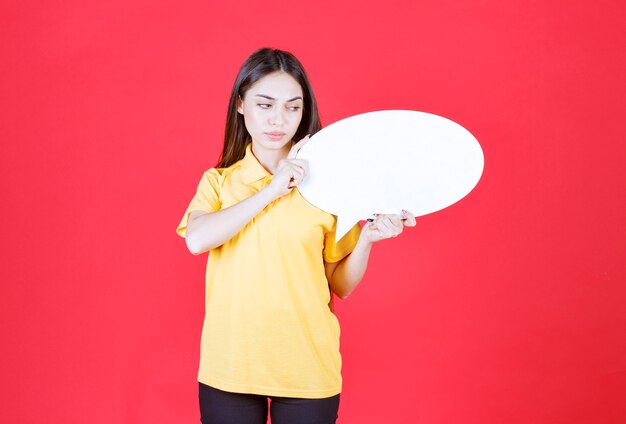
265	96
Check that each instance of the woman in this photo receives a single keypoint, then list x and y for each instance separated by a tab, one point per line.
269	331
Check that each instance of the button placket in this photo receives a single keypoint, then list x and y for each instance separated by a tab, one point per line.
267	180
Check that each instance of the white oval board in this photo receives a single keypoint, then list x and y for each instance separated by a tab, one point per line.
386	161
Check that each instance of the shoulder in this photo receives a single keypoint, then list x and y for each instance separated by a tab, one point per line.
216	176
225	172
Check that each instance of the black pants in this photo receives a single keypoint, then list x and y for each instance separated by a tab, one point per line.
219	407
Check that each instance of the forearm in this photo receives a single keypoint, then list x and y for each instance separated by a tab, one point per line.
348	273
210	230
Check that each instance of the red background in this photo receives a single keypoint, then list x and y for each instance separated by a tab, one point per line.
506	308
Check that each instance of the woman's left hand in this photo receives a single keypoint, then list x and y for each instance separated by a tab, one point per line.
344	276
387	226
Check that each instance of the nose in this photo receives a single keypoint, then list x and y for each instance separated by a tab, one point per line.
277	117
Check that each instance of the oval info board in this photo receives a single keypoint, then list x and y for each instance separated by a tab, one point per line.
386	161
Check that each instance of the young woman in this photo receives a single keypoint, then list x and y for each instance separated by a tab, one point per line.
269	331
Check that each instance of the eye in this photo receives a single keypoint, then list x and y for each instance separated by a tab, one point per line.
294	108
264	105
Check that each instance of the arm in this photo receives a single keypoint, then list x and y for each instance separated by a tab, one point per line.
344	276
208	230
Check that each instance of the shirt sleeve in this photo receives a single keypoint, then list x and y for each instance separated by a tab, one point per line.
207	198
334	251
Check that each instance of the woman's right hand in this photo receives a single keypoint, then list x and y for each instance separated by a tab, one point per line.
206	231
290	172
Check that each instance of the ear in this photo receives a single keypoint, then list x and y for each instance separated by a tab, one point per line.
239	105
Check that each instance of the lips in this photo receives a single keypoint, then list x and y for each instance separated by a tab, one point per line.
275	135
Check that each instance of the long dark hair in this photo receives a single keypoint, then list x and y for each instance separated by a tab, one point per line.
261	63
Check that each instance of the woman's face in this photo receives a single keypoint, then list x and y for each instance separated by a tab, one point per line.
272	111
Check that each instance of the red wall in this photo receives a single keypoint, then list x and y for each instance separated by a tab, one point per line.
506	308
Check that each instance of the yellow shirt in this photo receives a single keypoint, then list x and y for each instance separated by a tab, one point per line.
268	328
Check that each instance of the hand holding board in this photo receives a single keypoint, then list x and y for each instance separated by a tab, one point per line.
383	162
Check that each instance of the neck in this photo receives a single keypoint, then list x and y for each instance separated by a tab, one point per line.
270	158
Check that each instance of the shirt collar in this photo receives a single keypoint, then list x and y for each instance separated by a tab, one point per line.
251	169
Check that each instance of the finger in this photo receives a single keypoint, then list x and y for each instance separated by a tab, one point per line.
396	220
296	171
296	147
391	221
380	230
296	175
295	181
296	162
391	225
292	166
299	168
372	229
289	168
409	218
